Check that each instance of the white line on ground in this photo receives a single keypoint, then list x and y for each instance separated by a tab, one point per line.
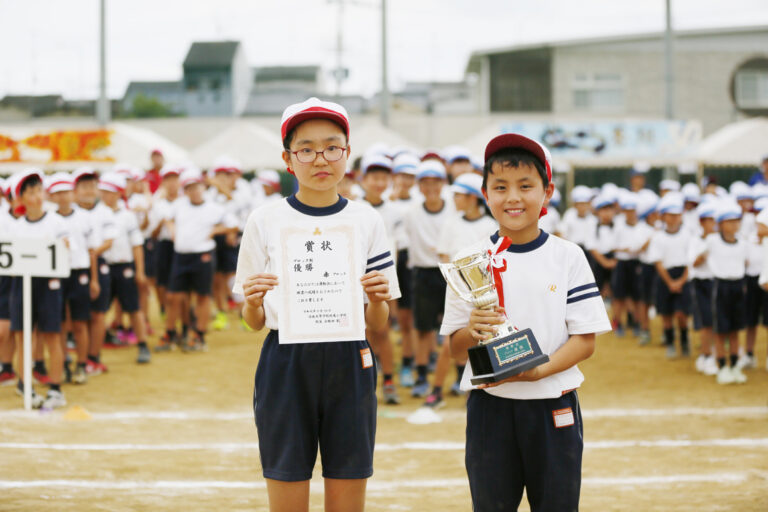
383	447
373	485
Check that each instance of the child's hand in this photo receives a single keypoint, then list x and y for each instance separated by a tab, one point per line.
376	286
676	287
482	321
256	287
95	289
531	375
611	263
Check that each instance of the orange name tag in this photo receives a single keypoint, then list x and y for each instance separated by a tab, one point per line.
563	417
366	357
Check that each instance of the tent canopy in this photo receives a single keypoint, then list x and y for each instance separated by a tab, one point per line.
252	145
740	143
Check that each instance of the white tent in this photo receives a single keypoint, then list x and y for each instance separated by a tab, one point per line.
57	148
740	143
364	136
252	145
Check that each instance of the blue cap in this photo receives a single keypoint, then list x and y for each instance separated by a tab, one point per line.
728	210
468	183
406	163
430	169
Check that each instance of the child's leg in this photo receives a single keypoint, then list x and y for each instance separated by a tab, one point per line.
720	349
98	331
426	340
733	348
80	332
682	325
6	343
345	495
202	312
53	343
173	309
442	368
288	496
139	325
382	347
706	337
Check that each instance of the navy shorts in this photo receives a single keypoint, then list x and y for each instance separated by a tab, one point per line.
404	276
76	292
602	274
428	288
646	283
124	286
46	299
312	394
226	255
164	262
668	303
754	303
5	298
192	273
516	444
701	303
624	279
728	305
104	300
150	257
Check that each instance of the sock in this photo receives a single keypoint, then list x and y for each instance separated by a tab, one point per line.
55	387
7	367
184	331
720	362
459	372
171	333
751	353
80	365
39	366
437	390
200	335
631	320
733	359
669	336
684	337
94	359
143	344
421	370
387	378
407	362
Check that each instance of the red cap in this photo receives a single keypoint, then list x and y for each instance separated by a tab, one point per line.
156	151
313	108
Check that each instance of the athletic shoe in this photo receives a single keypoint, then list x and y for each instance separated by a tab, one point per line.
221	322
700	362
7	378
144	355
420	389
671	352
636	332
37	400
92	368
166	343
102	367
71	344
232	305
41	377
710	366
112	341
390	394
738	375
54	399
434	401
456	389
620	333
746	362
685	351
645	338
725	376
80	376
406	377
196	345
128	337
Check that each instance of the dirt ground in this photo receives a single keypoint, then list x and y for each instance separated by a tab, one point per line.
178	434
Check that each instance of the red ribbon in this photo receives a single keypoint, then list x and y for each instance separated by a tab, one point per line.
498	265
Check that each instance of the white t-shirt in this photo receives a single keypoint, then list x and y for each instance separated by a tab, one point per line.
644	232
458	233
194	225
577	229
423	229
140	205
671	249
260	245
754	255
696	248
238	205
550	289
51	224
81	236
162	210
728	260
103	223
602	239
401	234
626	241
128	236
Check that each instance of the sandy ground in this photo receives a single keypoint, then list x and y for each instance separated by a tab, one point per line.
178	434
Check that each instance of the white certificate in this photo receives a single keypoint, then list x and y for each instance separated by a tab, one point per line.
321	296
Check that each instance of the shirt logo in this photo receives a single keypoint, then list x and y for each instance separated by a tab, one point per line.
317	232
553	288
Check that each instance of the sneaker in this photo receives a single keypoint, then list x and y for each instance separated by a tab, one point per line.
645	338
112	341
166	343
127	337
41	377
434	401
221	322
390	394
701	361
620	333
80	376
71	344
144	355
746	362
54	399
725	376
67	372
636	332
406	377
196	345
710	366
92	368
102	367
456	389
671	352
7	378
37	400
738	375
420	389
685	351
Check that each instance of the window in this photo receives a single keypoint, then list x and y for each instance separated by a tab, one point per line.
752	88
598	91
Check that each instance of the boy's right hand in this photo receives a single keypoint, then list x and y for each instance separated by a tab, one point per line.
482	322
256	286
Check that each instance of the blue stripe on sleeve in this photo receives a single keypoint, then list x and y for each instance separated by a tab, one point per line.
582	287
379	257
385	265
582	297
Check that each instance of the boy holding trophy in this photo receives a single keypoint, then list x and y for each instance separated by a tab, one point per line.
527	309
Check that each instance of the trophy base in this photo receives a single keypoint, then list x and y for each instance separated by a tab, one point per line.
504	357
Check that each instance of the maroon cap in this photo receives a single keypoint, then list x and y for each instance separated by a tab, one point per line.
515	140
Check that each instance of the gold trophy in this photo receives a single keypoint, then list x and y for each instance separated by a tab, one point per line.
510	351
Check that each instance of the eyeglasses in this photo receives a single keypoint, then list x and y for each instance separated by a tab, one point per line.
331	154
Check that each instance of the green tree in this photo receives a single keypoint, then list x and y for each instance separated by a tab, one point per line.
144	106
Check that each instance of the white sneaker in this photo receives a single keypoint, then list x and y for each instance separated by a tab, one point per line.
54	399
701	361
725	376
37	400
710	366
738	375
746	361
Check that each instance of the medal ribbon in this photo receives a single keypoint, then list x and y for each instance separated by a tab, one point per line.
498	264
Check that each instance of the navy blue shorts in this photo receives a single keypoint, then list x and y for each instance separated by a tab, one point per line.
728	300
404	276
754	303
516	444
124	286
104	300
428	288
602	274
701	303
646	283
312	394
5	298
46	303
668	303
226	255
164	262
624	279
76	293
192	273
150	257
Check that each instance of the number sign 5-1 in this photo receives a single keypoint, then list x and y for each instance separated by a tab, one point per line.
36	257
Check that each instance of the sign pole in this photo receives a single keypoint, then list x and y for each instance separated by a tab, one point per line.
27	326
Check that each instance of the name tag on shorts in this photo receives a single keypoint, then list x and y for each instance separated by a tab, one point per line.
563	417
128	273
104	269
83	279
54	284
367	358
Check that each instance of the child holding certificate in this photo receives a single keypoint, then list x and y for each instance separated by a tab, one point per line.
318	268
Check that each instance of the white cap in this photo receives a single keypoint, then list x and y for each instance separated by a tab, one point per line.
375	161
691	192
627	200
169	170
377	149
225	164
740	190
759	190
602	200
468	183
727	209
453	153
190	175
313	108
672	185
18	179
671	203
112	182
581	194
641	167
646	204
406	163
430	169
556	197
59	182
269	177
82	172
760	204
706	210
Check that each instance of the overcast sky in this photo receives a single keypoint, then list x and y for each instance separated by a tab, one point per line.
51	46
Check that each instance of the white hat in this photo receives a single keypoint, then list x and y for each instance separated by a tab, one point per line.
556	198
112	182
759	190
706	210
672	185
313	108
269	177
581	194
59	182
727	209
430	169
82	172
190	175
169	170
377	161
225	164
453	153
377	149
468	183
646	204
691	192
760	204
740	190
671	203
627	200
641	167
602	200
18	179
405	163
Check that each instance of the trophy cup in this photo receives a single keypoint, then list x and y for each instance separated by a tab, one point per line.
510	351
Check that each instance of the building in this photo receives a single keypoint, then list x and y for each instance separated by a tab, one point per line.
273	87
720	75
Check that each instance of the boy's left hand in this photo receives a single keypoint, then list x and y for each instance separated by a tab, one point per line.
531	375
376	286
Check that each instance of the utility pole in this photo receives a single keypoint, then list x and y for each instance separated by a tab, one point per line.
669	71
384	85
102	104
339	71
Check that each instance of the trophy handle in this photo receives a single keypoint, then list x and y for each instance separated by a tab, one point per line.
449	271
